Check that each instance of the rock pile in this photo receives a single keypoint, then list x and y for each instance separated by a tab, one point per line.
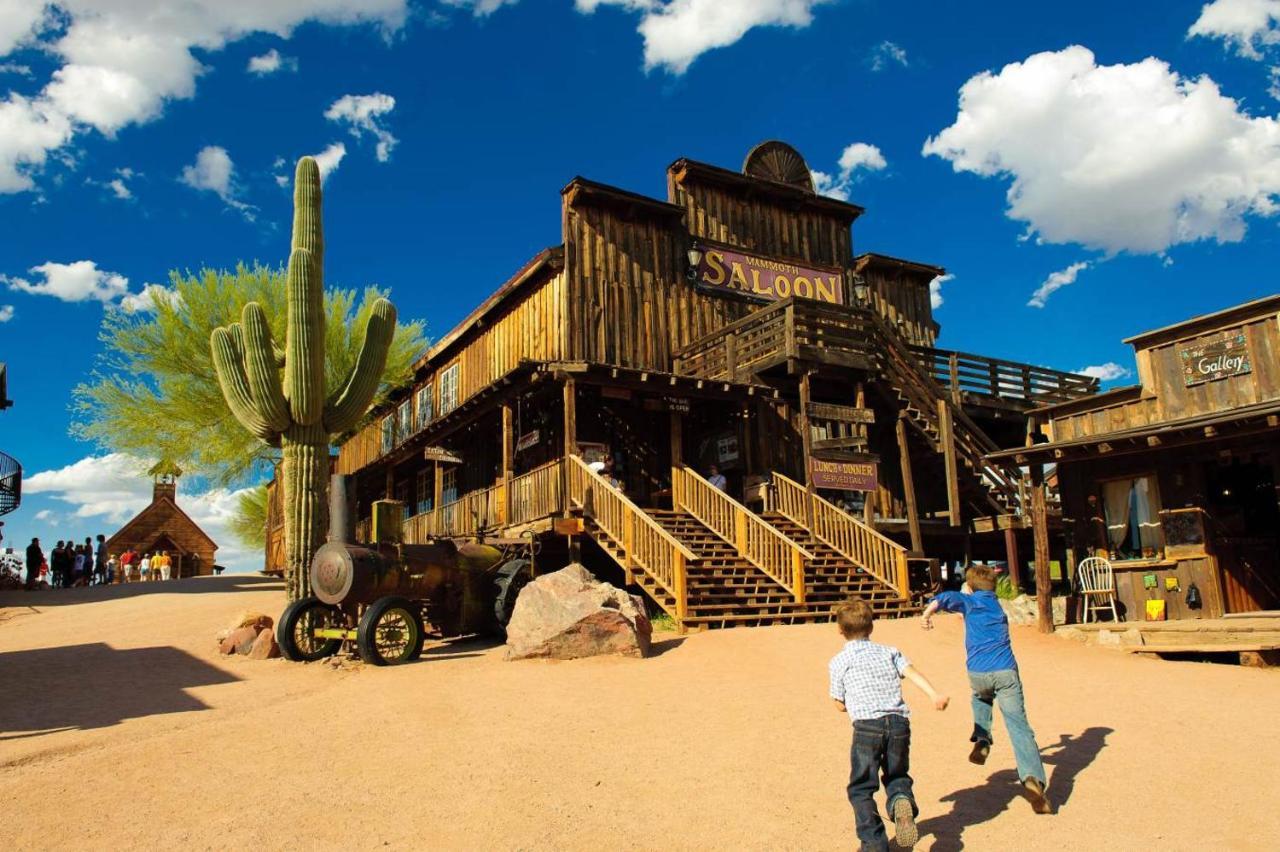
1022	610
570	614
250	636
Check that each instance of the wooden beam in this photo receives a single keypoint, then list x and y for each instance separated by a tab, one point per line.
806	438
677	456
948	440
909	488
1040	531
570	439
1011	557
508	460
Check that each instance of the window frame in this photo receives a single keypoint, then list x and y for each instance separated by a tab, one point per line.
404	420
448	380
388	426
425	393
1156	505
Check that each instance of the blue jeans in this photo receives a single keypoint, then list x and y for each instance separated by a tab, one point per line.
881	747
1005	688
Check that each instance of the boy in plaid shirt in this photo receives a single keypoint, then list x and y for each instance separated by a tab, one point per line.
866	683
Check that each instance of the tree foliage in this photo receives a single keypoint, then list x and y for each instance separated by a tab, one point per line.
249	524
153	392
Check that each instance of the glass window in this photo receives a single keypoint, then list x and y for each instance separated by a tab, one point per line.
449	486
1132	511
449	389
404	419
425	490
424	400
388	432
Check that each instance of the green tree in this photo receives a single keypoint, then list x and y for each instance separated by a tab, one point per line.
250	521
154	394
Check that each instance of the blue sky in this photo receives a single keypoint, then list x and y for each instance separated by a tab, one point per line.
1141	138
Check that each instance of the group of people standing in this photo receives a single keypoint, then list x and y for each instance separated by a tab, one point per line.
70	564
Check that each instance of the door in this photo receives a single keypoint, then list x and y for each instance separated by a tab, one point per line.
1244	518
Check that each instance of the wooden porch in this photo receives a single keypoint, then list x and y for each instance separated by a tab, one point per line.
1247	633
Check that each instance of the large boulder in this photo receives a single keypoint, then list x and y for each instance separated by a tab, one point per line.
239	641
570	614
264	647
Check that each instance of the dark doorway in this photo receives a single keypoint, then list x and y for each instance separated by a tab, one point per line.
1244	518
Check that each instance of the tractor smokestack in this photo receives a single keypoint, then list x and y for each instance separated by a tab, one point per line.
339	511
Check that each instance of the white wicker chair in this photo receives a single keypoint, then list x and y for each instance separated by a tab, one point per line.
1097	587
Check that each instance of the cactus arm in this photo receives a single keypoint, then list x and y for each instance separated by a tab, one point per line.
308	230
347	407
304	340
264	376
228	362
277	355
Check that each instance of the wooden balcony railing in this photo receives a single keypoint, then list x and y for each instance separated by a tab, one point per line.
537	494
534	495
644	544
881	557
963	373
755	539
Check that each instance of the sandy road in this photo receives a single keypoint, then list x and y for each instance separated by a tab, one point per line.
120	727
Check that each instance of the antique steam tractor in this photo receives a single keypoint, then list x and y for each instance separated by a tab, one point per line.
382	596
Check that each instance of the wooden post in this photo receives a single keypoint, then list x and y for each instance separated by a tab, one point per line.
947	436
806	441
437	495
953	367
570	437
909	487
508	462
1040	528
677	458
731	356
869	509
1011	556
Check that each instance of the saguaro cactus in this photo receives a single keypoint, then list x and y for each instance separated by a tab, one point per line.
295	414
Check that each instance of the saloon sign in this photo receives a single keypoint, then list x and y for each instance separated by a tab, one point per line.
767	279
1215	358
843	475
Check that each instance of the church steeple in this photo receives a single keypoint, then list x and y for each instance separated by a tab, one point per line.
165	476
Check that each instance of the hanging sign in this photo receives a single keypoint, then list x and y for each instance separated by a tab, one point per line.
529	439
727	449
843	475
1214	358
440	454
763	278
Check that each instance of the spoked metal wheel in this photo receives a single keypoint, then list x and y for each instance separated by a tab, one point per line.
390	632
296	630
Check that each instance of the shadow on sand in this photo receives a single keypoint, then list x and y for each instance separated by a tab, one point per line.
95	686
976	805
187	586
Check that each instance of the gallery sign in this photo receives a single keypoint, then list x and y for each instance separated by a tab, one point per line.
1214	358
843	475
764	278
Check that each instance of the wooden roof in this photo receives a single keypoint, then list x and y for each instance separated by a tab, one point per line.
162	502
1206	322
872	259
582	189
785	193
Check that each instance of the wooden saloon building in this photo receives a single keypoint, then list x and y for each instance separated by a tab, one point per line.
729	324
1174	479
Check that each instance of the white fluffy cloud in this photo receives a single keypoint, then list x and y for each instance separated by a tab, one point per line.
676	32
109	490
118	62
935	290
1249	25
146	299
1107	372
480	8
854	160
887	53
363	114
214	172
71	282
6	313
1055	282
271	62
328	159
1115	157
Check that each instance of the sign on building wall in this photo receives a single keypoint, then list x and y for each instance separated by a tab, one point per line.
765	278
843	475
1213	358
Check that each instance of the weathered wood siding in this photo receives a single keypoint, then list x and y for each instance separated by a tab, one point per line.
902	297
534	327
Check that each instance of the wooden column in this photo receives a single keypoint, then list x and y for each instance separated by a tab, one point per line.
1040	528
948	439
909	488
677	457
570	438
806	441
438	488
508	461
1011	556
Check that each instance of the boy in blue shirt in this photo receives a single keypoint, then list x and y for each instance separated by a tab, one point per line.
993	677
866	683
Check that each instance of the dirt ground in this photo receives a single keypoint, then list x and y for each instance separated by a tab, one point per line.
121	727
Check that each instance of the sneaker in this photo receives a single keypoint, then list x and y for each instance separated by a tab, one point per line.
904	823
1035	793
980	751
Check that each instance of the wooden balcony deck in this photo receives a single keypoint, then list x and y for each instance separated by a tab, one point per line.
816	332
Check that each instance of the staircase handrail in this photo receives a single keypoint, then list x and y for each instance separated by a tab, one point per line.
867	548
643	541
754	538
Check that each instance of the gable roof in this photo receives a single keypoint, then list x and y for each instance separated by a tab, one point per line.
156	504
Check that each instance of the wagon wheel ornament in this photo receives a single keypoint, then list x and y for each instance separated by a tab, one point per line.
780	163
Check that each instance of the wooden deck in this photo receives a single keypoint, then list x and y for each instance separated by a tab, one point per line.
1244	633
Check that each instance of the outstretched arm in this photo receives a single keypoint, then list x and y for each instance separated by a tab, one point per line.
939	701
926	617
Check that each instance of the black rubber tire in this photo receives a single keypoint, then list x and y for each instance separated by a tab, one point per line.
366	637
287	627
513	576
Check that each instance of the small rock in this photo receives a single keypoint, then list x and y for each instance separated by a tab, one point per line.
239	641
256	620
570	614
264	647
